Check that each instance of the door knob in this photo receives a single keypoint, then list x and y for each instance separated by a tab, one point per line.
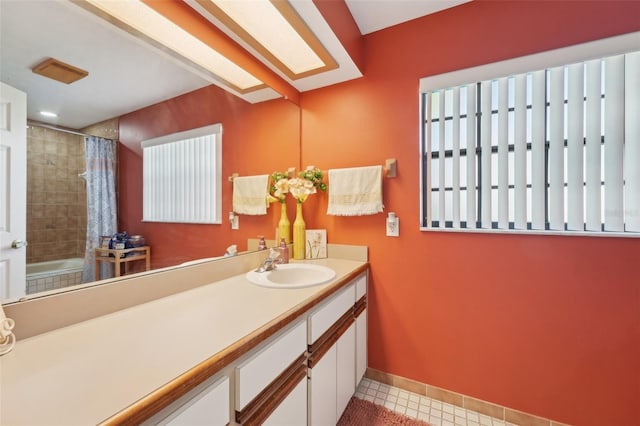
16	244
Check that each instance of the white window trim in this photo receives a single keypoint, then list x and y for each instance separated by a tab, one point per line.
558	57
196	207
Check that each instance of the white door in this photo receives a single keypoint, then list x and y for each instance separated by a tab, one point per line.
322	390
345	369
361	346
13	192
293	410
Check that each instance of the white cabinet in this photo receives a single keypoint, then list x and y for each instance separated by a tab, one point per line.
293	410
256	373
337	360
345	369
332	379
361	287
360	312
361	345
209	407
304	375
323	318
322	390
270	386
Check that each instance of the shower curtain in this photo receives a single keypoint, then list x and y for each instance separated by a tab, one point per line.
101	201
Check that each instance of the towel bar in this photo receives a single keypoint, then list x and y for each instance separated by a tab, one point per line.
291	172
390	168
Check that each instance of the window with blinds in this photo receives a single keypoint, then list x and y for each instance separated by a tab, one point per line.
556	149
182	177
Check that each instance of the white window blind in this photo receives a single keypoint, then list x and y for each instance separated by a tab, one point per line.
554	149
182	176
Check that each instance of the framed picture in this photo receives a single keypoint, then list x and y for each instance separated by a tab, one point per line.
316	244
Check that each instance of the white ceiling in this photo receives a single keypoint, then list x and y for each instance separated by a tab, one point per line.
374	15
125	74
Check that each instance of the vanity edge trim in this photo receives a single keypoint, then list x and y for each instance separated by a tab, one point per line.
162	397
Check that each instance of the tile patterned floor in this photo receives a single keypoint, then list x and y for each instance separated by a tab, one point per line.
432	411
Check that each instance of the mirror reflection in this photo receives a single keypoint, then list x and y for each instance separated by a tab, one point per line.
56	209
257	138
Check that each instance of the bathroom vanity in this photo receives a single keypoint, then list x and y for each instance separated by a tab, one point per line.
227	351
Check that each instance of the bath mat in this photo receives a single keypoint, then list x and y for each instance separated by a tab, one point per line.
364	413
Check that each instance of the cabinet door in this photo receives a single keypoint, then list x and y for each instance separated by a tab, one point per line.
257	372
345	369
329	312
361	286
361	345
293	410
322	390
209	407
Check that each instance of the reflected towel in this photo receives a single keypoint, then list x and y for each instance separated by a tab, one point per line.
355	191
250	194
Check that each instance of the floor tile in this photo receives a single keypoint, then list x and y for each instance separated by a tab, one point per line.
436	413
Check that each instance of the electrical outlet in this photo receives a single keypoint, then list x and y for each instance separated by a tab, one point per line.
393	225
234	220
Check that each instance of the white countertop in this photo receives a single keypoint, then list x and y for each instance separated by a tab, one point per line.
89	371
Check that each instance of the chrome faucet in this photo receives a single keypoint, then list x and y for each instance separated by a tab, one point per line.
269	264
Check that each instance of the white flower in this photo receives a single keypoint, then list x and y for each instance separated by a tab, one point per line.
279	188
301	189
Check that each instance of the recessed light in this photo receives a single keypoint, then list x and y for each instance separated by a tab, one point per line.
145	20
48	114
277	32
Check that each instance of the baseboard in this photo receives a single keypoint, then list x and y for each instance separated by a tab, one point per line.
488	408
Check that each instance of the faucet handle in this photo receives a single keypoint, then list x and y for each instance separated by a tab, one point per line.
274	253
270	261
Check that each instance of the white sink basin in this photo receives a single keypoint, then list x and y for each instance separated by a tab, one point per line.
292	275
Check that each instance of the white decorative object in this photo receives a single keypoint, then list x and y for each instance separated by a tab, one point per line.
7	338
316	247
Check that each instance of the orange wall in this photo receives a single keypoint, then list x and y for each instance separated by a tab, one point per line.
256	139
547	325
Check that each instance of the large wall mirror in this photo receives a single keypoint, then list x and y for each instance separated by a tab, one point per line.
258	138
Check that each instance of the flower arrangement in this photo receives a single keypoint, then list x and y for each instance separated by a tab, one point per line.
308	182
279	187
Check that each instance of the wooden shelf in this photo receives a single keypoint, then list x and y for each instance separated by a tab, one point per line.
119	258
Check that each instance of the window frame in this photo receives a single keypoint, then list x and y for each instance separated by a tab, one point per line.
545	60
195	185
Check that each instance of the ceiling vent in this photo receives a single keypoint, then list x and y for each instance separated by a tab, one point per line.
59	71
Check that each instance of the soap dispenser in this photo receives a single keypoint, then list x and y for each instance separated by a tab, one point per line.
284	251
262	245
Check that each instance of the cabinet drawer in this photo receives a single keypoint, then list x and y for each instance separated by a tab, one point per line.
210	407
327	314
255	374
361	286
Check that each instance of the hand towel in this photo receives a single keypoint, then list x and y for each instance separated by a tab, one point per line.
355	191
250	194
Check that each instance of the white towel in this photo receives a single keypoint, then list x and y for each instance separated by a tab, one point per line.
250	194
355	191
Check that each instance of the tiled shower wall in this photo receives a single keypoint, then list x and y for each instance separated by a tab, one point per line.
56	195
